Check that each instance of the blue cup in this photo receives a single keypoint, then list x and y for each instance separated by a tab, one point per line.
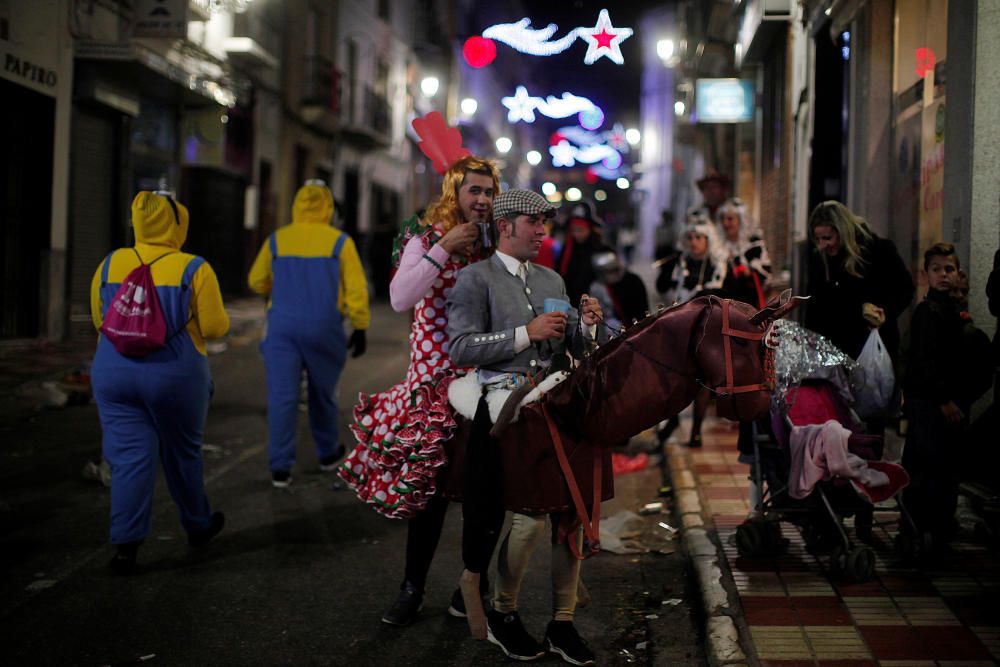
557	306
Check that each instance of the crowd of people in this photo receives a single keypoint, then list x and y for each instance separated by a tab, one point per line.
497	296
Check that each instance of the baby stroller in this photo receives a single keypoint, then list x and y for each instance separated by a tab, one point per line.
814	394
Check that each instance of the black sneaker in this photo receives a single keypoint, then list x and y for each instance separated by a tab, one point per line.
329	463
203	537
506	631
281	479
406	607
457	606
563	639
123	561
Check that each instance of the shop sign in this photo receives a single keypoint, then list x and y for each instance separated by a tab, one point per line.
26	70
724	101
161	18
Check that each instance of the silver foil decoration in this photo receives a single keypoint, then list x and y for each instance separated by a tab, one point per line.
803	354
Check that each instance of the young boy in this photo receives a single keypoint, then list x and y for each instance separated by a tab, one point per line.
938	397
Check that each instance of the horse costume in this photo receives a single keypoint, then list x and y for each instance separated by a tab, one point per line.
555	456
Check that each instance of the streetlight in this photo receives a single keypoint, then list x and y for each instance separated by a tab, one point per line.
533	157
665	49
632	136
600	195
679	108
504	145
548	188
573	194
430	85
622	183
469	106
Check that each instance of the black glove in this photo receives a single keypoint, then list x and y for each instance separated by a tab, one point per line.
358	343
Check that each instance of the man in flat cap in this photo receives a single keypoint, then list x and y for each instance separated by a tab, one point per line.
497	323
714	189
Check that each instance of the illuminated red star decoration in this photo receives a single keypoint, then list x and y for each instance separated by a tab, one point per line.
604	40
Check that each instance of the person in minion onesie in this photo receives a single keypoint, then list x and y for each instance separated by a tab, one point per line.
155	406
312	276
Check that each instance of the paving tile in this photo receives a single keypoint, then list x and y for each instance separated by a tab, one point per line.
926	611
788	663
836	642
780	643
874	610
952	585
888	642
807	583
990	637
975	611
906	643
822	610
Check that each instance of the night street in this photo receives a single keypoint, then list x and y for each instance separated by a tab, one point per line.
298	576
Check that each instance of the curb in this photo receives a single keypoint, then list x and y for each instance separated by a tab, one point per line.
722	636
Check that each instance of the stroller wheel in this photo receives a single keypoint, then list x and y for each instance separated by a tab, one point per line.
838	561
750	538
860	564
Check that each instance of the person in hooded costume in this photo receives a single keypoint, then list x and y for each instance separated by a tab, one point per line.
583	241
312	276
155	406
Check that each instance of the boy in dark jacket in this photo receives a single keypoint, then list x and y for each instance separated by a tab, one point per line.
939	389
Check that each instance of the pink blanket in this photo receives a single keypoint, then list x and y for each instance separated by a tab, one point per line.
819	452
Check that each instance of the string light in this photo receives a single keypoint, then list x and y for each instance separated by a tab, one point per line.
521	106
603	39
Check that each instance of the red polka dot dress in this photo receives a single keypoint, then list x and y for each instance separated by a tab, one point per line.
401	432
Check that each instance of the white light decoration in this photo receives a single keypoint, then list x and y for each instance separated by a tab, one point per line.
679	108
555	197
533	158
548	188
591	119
504	144
521	106
573	194
430	85
469	106
665	49
622	183
632	136
600	195
603	39
563	154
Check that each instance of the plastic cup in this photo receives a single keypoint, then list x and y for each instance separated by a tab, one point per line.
556	306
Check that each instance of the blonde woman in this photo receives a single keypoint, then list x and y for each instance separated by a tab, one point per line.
857	281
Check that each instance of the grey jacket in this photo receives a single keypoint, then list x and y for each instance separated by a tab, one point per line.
488	303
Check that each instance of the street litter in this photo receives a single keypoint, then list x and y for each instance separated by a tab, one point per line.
623	463
41	584
641	646
672	602
45	395
652	617
667	527
621	533
97	472
651	508
213	451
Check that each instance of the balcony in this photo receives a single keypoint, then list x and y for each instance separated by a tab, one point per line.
320	102
371	125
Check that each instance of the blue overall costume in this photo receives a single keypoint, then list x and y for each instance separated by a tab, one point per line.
156	406
310	271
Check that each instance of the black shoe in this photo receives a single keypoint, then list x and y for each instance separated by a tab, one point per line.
506	631
457	606
202	537
123	561
663	434
281	479
329	463
406	607
563	639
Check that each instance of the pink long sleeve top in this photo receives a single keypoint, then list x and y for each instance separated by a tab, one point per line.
418	269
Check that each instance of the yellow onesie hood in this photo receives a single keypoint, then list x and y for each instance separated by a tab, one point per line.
155	223
313	204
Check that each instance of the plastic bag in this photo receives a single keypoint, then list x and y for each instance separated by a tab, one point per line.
874	392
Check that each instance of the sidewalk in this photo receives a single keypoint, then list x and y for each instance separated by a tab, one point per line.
788	611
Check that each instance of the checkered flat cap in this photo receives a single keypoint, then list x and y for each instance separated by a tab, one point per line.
517	201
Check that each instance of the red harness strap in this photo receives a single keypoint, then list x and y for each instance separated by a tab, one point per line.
727	333
591	527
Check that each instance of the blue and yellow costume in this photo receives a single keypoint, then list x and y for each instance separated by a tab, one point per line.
155	406
312	275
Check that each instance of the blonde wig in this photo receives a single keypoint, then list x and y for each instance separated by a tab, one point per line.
853	232
445	211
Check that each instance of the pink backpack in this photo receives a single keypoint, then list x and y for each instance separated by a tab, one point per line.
134	322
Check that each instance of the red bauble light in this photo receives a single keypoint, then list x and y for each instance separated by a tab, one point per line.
590	176
479	51
556	138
